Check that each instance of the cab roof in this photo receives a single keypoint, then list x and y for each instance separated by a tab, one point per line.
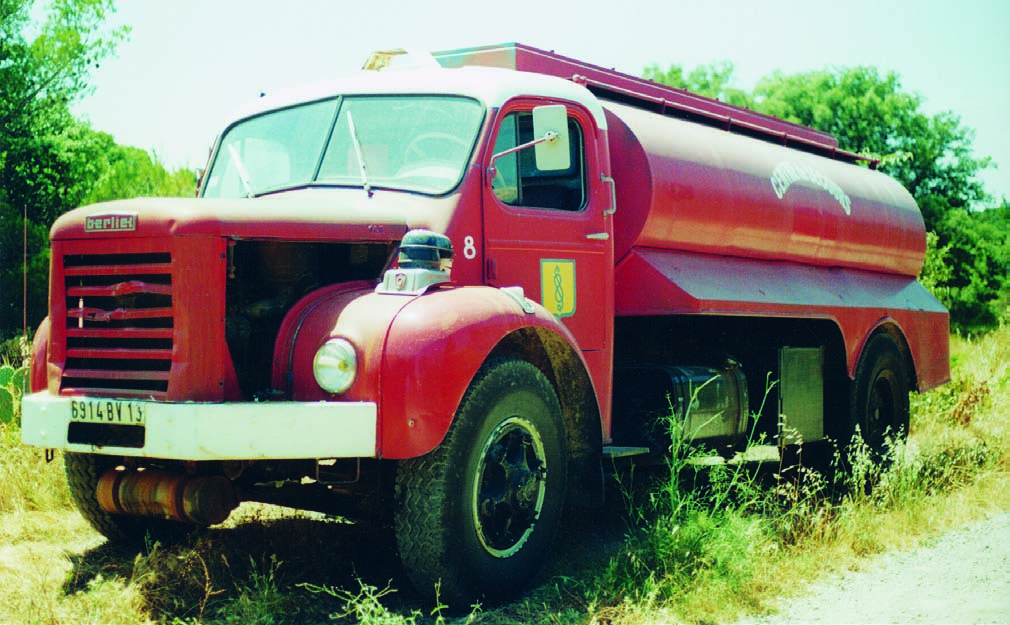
488	85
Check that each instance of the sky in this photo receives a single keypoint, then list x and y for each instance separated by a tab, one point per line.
188	65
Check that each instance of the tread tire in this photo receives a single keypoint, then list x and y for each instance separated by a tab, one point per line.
879	402
440	535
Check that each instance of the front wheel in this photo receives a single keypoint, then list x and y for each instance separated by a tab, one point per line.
477	515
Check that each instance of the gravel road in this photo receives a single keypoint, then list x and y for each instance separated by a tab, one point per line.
961	577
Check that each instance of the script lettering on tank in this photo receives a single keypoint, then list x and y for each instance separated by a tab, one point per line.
786	174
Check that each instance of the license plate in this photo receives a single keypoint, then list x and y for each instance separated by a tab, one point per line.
108	411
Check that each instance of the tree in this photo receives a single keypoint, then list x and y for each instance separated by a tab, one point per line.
50	162
40	168
870	114
127	172
979	259
47	72
38	78
711	81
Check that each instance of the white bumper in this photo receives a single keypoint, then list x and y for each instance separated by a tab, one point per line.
198	431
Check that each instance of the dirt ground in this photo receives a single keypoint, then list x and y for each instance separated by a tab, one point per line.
961	577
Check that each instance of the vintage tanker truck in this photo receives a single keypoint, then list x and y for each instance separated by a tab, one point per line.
447	292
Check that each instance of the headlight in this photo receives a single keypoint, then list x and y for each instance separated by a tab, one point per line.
335	366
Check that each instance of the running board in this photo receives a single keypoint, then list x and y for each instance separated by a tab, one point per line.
622	452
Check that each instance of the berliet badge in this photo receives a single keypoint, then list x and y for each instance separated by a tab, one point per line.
111	222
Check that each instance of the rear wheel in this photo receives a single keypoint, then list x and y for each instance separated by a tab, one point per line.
83	472
478	514
879	402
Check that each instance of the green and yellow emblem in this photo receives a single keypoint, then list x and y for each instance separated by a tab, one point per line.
557	286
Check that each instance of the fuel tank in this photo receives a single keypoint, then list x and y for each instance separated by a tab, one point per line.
694	188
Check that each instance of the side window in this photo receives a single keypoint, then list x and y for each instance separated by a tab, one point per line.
518	182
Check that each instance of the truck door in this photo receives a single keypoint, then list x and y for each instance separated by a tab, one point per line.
546	230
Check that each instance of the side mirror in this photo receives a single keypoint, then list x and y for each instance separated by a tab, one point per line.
552	154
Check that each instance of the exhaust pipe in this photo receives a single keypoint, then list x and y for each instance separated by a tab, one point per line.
204	500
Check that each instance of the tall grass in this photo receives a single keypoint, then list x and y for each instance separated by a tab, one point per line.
702	541
28	481
711	548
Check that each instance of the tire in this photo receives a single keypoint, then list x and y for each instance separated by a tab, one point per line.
83	472
477	516
879	402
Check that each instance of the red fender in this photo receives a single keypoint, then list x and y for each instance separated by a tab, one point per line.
435	347
350	311
416	354
37	377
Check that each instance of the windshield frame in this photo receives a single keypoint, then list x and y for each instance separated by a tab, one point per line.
221	146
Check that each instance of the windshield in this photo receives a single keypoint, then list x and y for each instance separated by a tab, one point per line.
414	143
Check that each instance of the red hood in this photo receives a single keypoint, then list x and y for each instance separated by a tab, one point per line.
306	215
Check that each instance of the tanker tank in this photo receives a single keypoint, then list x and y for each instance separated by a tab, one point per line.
694	188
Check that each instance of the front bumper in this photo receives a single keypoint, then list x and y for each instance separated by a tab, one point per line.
202	431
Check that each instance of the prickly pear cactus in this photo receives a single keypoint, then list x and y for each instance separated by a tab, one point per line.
6	405
6	375
12	382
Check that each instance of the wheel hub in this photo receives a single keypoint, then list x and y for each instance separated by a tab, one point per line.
510	490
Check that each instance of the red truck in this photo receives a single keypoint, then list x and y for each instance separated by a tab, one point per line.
444	293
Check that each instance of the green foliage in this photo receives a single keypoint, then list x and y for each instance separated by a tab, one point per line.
38	77
870	114
936	268
6	405
12	385
978	257
49	162
6	375
711	81
127	172
366	607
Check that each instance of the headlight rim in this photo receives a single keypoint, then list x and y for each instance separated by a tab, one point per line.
332	377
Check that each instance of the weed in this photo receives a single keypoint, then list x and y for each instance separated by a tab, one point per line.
366	607
971	396
16	352
177	582
259	599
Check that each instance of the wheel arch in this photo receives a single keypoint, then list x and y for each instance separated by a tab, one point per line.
555	357
880	410
38	378
465	328
893	329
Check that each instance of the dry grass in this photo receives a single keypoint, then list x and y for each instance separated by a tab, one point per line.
38	552
27	482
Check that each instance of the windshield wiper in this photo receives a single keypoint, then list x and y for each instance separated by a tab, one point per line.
360	154
243	173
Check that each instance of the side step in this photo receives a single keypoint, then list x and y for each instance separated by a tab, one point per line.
611	451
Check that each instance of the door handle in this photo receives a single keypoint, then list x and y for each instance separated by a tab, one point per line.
613	194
